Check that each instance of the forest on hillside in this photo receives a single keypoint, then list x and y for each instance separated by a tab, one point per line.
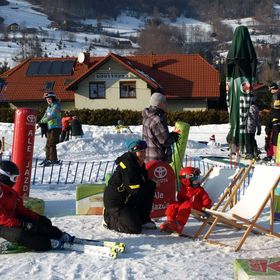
206	10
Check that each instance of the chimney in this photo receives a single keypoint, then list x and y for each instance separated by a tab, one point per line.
153	60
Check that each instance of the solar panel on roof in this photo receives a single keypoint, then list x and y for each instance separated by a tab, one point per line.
33	68
44	68
68	67
56	68
50	67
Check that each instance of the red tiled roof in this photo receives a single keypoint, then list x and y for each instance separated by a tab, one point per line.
180	75
20	87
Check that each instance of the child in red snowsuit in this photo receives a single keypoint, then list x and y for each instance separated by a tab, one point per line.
190	196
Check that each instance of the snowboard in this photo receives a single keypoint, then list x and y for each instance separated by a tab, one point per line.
178	153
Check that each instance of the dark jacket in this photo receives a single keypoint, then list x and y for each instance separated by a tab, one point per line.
127	182
273	125
76	128
12	208
156	134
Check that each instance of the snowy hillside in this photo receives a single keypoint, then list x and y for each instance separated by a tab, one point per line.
58	43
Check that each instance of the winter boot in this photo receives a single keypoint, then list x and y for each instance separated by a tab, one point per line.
66	237
149	225
43	162
171	226
57	244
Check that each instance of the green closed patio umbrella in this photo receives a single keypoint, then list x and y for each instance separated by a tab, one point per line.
241	74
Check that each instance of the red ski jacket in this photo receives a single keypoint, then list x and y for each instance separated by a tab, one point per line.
197	195
11	208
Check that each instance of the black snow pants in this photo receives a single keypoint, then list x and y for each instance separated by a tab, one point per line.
37	238
130	217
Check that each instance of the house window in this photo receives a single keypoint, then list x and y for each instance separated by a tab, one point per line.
48	85
127	89
97	90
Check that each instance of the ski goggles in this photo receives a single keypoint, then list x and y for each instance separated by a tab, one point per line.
193	176
12	177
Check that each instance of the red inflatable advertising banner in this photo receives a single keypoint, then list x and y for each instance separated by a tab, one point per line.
23	146
162	173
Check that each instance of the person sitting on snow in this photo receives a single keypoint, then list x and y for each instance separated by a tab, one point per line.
128	198
21	225
190	196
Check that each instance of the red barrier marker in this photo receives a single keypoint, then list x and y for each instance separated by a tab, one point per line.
163	174
23	146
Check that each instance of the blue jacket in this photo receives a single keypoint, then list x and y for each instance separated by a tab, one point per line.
52	116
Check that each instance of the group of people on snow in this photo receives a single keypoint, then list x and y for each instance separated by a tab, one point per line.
129	195
128	198
272	127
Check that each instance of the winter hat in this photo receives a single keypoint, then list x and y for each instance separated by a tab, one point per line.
49	94
157	98
273	86
137	145
212	137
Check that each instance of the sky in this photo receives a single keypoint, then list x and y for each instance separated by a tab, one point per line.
150	255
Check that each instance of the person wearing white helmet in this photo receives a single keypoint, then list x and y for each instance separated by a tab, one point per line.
52	118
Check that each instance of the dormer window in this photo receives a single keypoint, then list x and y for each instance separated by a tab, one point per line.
49	85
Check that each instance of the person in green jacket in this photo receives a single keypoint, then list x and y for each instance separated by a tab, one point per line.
52	117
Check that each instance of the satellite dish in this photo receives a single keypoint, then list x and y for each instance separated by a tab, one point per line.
81	57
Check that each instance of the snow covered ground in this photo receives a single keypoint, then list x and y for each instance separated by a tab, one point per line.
151	255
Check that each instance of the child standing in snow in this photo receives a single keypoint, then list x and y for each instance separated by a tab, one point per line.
190	196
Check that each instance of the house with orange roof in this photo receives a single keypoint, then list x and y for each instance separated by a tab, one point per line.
114	82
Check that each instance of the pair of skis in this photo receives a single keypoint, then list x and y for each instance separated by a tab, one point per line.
96	247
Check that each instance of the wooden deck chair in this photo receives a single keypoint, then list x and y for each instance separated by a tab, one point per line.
245	213
218	183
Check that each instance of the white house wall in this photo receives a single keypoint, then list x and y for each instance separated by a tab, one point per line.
112	73
187	105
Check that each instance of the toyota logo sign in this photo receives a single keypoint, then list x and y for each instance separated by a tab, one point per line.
160	172
31	118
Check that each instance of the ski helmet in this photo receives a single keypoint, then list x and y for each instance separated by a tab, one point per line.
188	175
8	173
136	146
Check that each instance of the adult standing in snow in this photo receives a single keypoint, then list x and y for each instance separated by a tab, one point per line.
155	130
21	225
76	128
253	126
272	128
129	195
52	117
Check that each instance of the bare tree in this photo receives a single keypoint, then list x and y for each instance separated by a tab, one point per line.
165	39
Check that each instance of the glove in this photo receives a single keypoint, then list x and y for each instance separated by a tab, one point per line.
28	226
176	136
